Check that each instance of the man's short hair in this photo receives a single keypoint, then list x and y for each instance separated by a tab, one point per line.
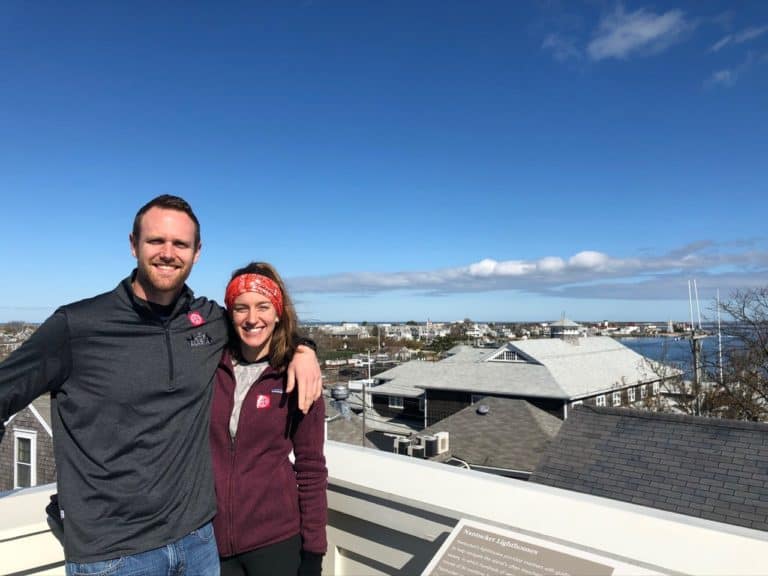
166	202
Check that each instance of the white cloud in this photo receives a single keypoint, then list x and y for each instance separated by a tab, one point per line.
621	35
744	36
483	268
727	77
722	43
515	268
585	274
589	260
724	78
562	48
490	267
551	264
750	34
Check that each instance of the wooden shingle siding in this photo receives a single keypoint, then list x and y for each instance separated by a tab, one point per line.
46	466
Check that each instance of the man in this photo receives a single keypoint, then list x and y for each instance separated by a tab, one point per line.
131	371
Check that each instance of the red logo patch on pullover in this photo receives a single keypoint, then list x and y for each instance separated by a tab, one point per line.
196	319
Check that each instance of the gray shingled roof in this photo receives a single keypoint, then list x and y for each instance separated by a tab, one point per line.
512	435
410	379
348	430
704	467
589	365
559	369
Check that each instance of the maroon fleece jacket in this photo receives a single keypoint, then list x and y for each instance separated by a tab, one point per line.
261	497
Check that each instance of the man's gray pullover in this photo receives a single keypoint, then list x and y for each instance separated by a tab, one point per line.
130	417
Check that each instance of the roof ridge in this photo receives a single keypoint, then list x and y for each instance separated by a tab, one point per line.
678	418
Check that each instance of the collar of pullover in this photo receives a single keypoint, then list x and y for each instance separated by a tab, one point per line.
142	306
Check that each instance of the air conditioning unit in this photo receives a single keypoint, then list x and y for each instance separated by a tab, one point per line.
401	445
442	442
430	446
416	451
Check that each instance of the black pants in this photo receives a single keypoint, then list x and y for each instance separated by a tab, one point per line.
279	559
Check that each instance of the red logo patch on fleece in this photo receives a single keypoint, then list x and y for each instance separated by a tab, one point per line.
262	401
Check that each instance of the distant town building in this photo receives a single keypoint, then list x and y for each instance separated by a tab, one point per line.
10	341
565	328
345	330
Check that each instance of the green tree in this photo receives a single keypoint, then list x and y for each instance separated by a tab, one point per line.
442	343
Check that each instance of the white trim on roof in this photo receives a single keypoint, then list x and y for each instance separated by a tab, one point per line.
36	414
42	421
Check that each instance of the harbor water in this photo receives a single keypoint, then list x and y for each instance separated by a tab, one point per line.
676	352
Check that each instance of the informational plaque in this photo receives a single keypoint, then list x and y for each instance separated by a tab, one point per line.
475	549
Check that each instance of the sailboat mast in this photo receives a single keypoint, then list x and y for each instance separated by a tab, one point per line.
690	305
698	309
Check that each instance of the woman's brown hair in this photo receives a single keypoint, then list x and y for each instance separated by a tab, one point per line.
285	336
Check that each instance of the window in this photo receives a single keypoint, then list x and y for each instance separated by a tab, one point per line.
508	356
617	398
631	394
600	400
24	458
577	403
655	388
643	391
396	402
422	404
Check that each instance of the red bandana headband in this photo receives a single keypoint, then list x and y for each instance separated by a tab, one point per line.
254	283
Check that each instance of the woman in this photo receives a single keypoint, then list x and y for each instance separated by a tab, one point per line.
271	514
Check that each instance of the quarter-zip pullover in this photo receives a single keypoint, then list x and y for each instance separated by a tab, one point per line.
130	417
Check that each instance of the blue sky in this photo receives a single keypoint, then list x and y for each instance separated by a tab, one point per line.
394	160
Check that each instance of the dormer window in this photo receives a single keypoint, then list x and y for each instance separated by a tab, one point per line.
508	355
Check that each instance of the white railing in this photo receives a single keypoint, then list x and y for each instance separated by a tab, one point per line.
390	514
27	545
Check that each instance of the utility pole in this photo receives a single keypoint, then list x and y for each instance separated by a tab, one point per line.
719	340
696	351
362	440
365	383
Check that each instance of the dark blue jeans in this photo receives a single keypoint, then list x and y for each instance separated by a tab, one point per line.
193	555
